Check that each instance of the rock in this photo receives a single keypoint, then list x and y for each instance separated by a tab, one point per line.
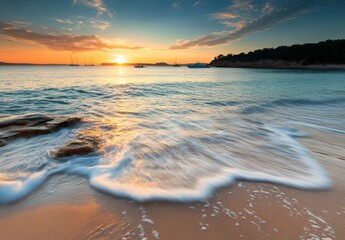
27	120
81	146
32	125
59	123
87	141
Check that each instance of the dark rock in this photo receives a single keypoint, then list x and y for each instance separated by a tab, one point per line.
32	125
27	120
59	123
81	146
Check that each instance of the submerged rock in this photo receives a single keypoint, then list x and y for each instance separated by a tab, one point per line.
26	120
81	146
32	125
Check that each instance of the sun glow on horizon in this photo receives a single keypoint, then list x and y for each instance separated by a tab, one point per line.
120	59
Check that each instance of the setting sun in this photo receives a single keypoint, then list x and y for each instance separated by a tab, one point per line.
120	59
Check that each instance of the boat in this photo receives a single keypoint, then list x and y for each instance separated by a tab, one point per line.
175	64
140	66
74	64
90	64
198	65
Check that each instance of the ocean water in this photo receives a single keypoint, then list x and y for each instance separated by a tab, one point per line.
173	134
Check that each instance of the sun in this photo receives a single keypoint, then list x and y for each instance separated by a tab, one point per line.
120	59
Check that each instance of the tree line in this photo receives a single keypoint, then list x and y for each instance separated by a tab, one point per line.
329	51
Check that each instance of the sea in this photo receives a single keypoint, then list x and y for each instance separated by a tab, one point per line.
168	133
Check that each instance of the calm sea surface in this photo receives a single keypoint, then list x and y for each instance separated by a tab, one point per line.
172	133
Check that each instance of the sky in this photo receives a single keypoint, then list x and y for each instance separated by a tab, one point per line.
150	31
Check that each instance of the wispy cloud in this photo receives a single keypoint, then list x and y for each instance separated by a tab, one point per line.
101	25
176	5
268	8
60	42
67	21
20	23
238	11
95	4
247	18
198	3
223	15
98	24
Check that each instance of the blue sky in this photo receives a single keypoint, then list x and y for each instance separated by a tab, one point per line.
190	29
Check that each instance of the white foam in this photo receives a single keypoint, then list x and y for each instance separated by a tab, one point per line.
148	221
155	234
315	179
11	191
105	176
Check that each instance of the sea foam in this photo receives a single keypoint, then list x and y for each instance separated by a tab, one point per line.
120	173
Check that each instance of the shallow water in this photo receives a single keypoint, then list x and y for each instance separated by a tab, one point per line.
172	133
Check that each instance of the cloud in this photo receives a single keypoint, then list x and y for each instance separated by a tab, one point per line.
248	18
98	24
101	25
238	11
268	8
95	4
197	4
67	21
176	5
242	5
223	15
19	23
60	42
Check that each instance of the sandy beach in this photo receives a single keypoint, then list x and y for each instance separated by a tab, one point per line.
244	210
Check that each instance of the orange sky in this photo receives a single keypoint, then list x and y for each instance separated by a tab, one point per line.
31	53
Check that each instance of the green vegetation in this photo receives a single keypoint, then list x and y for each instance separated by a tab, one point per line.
326	52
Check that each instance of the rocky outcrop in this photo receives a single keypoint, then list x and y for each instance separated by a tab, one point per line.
87	141
81	146
32	125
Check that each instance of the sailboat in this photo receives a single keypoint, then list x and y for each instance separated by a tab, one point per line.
74	64
91	63
175	64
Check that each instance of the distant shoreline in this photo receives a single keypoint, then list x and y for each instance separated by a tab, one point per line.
261	64
31	64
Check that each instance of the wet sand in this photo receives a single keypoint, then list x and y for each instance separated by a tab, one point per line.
67	208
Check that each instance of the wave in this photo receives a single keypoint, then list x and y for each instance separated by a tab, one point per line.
263	107
222	103
186	169
301	102
314	178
